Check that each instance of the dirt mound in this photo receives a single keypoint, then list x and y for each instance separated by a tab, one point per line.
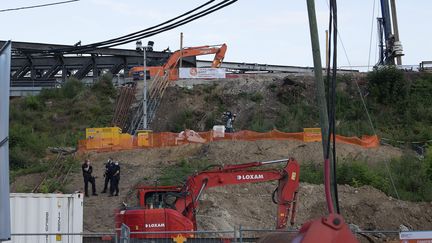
249	205
220	207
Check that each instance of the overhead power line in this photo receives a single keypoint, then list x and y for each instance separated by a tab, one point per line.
37	6
189	16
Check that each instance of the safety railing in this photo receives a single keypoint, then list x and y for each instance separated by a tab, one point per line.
222	236
237	235
287	235
64	238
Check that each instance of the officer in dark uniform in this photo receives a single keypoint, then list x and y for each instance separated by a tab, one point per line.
114	187
87	170
109	166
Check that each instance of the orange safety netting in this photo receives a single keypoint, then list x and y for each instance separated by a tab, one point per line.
163	139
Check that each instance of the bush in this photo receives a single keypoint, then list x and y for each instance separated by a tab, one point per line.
387	85
26	147
104	87
53	93
358	173
184	119
256	97
311	173
32	103
412	177
72	87
296	117
72	108
259	123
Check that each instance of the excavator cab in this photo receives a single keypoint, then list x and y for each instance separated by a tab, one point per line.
156	212
150	197
157	199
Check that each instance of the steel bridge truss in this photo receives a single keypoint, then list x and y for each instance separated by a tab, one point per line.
30	68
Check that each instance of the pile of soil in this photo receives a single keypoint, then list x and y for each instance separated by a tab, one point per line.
250	205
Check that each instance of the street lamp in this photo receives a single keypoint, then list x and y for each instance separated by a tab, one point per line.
149	46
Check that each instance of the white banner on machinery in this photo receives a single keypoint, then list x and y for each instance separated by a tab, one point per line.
202	73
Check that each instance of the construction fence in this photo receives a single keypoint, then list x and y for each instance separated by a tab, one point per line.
237	235
111	139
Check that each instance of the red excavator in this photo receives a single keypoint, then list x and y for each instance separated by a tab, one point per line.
173	208
170	66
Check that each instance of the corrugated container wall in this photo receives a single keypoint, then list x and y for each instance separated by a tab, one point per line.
46	213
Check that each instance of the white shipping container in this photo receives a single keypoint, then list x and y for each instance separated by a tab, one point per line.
46	213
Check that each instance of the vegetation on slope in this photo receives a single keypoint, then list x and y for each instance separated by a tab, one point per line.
411	175
400	107
56	118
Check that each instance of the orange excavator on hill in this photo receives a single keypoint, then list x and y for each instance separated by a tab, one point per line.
171	66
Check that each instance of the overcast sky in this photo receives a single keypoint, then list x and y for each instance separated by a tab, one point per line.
257	31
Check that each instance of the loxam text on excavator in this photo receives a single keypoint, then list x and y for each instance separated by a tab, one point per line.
171	66
173	208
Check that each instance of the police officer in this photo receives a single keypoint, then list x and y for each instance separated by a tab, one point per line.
114	187
109	166
87	170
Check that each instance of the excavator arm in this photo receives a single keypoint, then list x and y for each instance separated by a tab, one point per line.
218	50
284	195
171	64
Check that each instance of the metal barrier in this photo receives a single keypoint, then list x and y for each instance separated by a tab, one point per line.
253	235
240	235
64	238
183	236
126	236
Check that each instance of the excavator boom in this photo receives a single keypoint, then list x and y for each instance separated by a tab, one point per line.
171	66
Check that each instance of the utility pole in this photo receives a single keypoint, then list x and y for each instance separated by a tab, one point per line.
181	49
327	47
320	90
395	28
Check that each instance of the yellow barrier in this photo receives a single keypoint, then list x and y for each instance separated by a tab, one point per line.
103	137
312	134
144	138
